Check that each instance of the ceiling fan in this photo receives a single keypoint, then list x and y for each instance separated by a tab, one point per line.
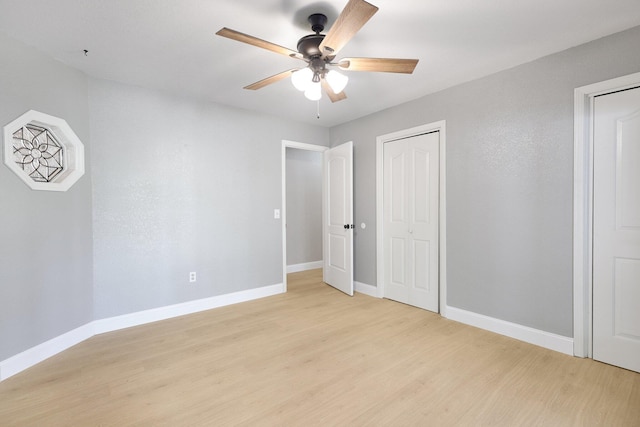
320	50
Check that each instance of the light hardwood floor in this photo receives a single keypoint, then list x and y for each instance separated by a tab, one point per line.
314	356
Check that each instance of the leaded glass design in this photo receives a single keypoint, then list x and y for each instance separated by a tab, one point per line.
38	152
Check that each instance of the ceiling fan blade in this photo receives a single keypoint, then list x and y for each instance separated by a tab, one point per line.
353	17
269	80
254	41
334	97
385	65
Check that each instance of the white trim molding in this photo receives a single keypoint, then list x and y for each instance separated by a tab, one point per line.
365	289
439	126
47	349
162	313
583	206
513	330
39	353
295	268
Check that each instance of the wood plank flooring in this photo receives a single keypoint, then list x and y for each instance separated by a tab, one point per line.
314	356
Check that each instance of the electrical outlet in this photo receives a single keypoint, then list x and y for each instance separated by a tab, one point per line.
192	277
276	214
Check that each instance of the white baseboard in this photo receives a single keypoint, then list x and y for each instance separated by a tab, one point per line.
37	354
162	313
513	330
363	288
294	268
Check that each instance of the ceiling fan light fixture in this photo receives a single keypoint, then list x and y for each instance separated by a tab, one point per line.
313	91
301	79
336	80
319	51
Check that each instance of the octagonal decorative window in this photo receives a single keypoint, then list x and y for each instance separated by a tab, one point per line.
43	151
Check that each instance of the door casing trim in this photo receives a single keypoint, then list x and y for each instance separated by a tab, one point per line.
439	126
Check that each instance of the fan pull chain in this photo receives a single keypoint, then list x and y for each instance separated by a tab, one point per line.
318	110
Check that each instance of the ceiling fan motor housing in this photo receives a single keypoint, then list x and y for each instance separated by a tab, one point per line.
308	45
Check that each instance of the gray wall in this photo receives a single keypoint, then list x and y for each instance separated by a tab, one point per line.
509	181
182	186
45	237
304	206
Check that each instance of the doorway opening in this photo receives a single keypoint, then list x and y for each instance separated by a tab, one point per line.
301	207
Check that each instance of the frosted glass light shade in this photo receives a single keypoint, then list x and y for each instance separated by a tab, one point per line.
337	81
314	91
301	79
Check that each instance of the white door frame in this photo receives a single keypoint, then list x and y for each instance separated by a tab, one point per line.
283	211
583	207
439	126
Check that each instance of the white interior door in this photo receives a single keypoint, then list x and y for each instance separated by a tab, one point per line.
411	195
616	229
338	218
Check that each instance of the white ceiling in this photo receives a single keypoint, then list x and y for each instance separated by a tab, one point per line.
171	44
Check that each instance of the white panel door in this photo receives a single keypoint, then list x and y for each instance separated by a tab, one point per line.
338	218
411	195
616	229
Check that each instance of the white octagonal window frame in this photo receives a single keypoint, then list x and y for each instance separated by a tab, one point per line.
72	151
